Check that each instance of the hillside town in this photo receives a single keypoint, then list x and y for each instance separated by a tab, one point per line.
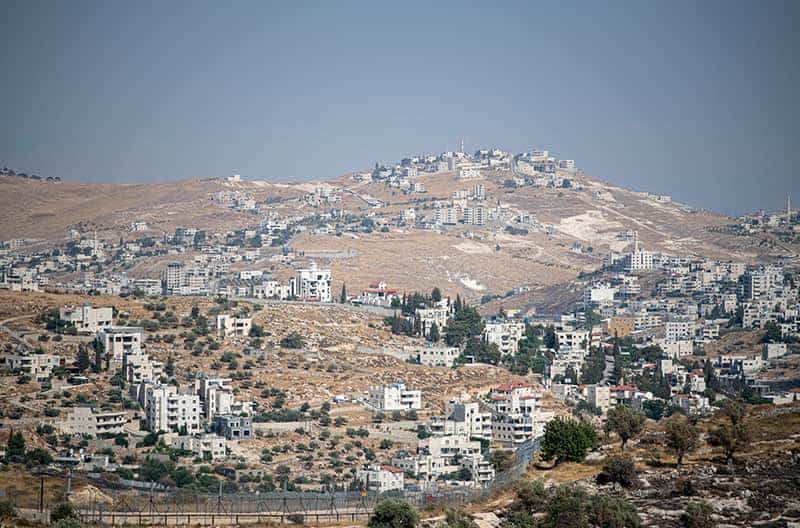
211	360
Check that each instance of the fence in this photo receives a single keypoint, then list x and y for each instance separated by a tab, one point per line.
154	507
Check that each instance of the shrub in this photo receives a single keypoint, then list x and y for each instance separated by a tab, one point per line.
63	510
394	514
7	509
698	515
69	522
619	469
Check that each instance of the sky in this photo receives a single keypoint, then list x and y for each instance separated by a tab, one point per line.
698	100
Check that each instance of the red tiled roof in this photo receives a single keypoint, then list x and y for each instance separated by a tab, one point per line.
620	388
392	469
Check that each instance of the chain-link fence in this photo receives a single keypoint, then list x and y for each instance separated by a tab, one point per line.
102	505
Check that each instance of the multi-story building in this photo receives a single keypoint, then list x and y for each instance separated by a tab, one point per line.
87	319
394	397
475	215
167	409
216	396
381	478
120	340
173	277
438	356
679	329
428	316
38	366
138	368
233	427
574	339
505	334
599	396
228	326
312	284
207	446
467	418
83	420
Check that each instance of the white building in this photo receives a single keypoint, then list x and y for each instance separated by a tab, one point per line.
208	446
438	356
83	420
87	319
38	366
574	339
428	316
119	340
505	334
679	330
394	397
168	410
381	478
228	326
312	284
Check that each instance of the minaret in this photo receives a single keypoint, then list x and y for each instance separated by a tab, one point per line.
462	145
788	206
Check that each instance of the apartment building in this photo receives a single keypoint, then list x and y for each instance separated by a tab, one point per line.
381	479
312	283
216	396
679	329
167	409
229	326
428	316
120	340
505	334
394	397
138	368
574	339
475	215
438	356
38	366
83	420
233	427
207	446
86	319
464	418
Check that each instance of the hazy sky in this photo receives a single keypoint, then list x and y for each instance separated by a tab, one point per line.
695	99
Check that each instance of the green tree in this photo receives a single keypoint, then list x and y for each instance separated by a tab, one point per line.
82	362
566	439
343	295
393	514
16	445
731	438
681	436
436	295
293	340
620	469
458	518
466	323
433	334
626	421
63	510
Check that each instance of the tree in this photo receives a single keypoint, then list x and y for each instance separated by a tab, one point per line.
550	340
566	439
169	368
343	295
682	436
82	362
734	410
393	514
16	445
626	422
63	510
731	438
99	348
436	295
293	340
433	334
466	323
457	518
620	469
